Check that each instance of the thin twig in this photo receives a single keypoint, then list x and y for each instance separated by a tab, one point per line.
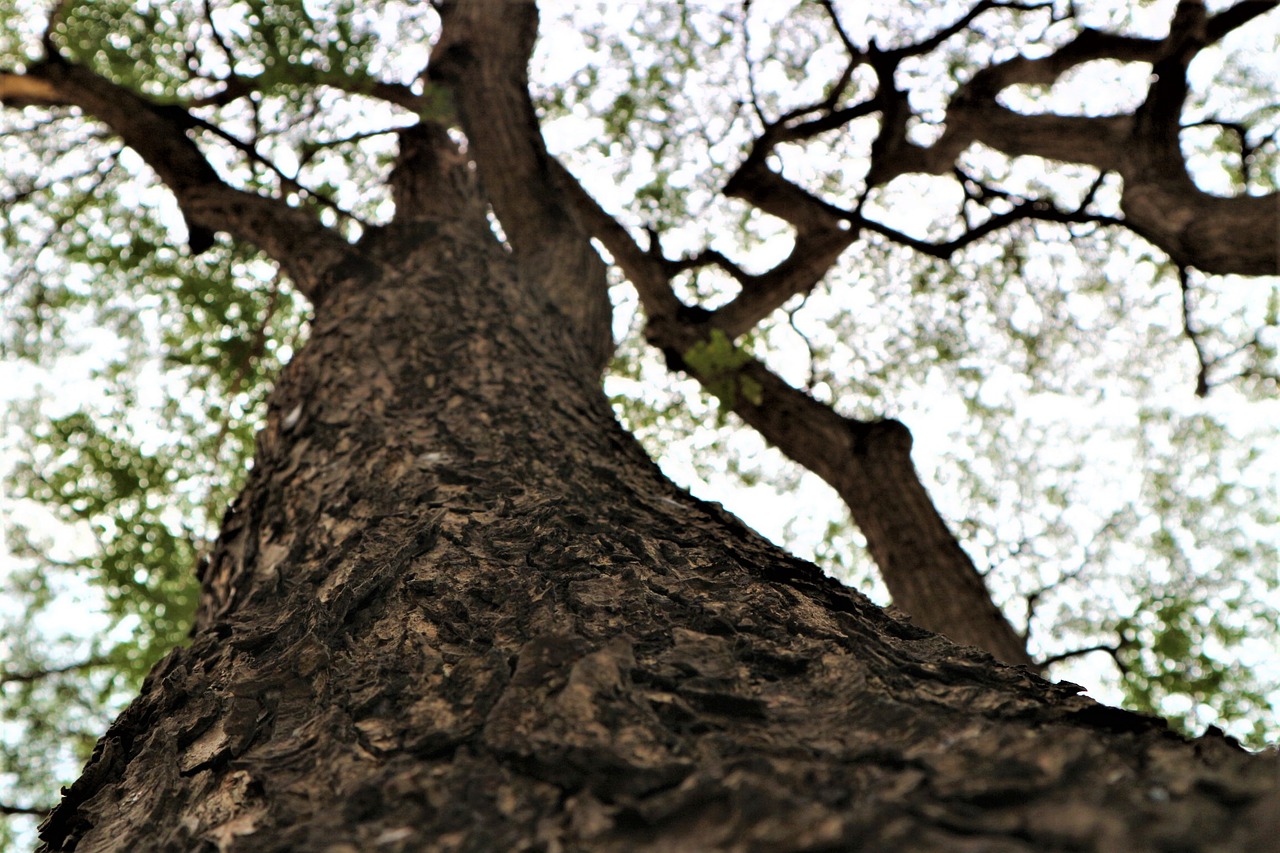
1191	334
1093	191
751	68
291	183
1033	209
1112	649
808	344
36	674
37	811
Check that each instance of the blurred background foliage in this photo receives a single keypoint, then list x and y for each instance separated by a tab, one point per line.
1047	371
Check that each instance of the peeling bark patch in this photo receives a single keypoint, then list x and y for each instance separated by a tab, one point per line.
569	717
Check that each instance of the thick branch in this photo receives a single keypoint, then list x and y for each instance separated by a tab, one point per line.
1214	234
483	53
1234	17
974	114
307	250
1159	200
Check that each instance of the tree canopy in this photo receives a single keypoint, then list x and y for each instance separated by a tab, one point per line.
1042	236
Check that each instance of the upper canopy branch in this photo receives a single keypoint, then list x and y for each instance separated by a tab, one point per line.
1033	209
1159	200
824	230
293	236
788	127
974	114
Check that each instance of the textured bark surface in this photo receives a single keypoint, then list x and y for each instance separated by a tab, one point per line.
456	608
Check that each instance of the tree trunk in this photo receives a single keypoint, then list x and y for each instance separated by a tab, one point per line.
456	608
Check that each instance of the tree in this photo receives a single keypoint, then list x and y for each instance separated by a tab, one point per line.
455	606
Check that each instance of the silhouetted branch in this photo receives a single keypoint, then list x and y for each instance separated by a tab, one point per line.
1112	649
1235	17
708	257
1192	334
36	811
28	676
287	182
1034	209
101	169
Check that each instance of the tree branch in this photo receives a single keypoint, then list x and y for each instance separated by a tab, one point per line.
36	811
810	259
1032	209
1112	649
647	273
1234	17
287	181
307	250
1159	200
28	676
432	103
1192	334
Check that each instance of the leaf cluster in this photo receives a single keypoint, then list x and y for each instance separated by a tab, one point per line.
718	363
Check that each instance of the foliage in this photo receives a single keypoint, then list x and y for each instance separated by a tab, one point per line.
718	363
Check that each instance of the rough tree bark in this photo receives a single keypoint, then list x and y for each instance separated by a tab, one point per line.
457	608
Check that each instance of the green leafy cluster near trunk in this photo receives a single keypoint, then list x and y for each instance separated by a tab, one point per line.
718	364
